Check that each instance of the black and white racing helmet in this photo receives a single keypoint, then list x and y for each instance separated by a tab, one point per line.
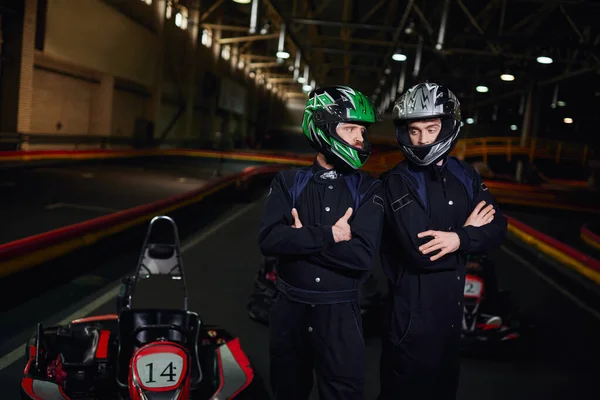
421	102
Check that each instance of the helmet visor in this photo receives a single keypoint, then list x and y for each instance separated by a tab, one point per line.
403	131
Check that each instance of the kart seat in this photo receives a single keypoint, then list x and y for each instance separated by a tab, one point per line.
160	259
130	320
161	251
144	293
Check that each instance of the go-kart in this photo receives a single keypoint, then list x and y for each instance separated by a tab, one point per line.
490	323
153	348
264	292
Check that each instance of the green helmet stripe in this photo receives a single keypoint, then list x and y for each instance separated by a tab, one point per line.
347	154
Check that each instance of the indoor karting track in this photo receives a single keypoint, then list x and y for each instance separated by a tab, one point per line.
221	262
44	198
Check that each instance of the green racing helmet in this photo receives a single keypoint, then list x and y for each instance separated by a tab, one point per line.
325	109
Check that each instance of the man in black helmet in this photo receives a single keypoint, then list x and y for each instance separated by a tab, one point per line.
324	223
436	210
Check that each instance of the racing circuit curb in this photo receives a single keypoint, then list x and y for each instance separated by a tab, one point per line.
584	264
20	158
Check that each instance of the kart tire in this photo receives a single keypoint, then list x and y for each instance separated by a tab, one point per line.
264	293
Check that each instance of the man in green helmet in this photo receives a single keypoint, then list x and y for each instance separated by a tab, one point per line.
324	224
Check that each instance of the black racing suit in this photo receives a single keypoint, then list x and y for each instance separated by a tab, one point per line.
421	341
315	321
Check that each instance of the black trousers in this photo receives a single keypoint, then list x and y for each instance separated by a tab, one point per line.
324	338
420	356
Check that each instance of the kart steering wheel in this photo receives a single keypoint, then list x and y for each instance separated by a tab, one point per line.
138	343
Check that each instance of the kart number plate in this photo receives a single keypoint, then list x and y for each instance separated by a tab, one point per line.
473	287
159	370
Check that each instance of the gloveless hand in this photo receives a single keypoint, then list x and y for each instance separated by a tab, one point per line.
297	223
341	230
446	242
481	216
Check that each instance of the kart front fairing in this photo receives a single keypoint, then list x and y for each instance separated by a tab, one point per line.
79	360
152	348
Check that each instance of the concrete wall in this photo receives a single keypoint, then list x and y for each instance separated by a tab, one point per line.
61	103
93	34
95	75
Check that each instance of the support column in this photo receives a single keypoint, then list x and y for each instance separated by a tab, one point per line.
216	46
102	106
217	120
192	60
27	58
525	131
160	10
16	87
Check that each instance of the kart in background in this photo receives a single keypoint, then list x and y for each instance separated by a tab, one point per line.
491	323
264	292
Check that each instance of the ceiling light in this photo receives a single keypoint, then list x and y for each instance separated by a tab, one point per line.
513	127
507	77
242	1
470	121
561	103
178	19
283	54
398	57
544	60
568	120
482	89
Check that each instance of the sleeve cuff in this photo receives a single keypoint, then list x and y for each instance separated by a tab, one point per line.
465	242
327	235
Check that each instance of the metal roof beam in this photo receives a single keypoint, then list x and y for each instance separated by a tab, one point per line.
341	24
343	52
546	82
212	9
252	38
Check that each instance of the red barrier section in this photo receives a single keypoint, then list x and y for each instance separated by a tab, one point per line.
568	250
589	236
71	154
42	240
588	232
271	156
